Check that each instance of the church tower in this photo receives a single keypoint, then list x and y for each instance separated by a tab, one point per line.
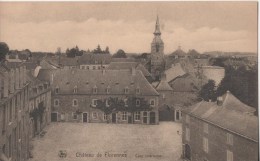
157	52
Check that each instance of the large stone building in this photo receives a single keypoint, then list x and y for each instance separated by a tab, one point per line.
39	105
14	113
225	130
76	93
157	53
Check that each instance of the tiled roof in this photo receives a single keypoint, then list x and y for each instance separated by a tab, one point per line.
46	74
173	72
115	80
184	83
232	115
163	85
129	66
94	59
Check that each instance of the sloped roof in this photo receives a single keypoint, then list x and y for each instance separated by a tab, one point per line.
116	80
232	115
163	85
46	74
178	52
173	72
184	83
94	59
129	66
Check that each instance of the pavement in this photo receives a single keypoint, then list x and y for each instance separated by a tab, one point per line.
108	142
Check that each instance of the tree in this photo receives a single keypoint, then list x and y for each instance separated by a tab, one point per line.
107	50
4	49
208	91
120	54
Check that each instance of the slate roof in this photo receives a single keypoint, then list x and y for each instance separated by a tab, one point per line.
129	66
174	72
115	80
232	115
184	83
163	85
94	59
46	74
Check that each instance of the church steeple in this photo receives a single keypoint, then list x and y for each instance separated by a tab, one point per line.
157	27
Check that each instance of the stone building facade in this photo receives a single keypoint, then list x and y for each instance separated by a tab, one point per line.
225	130
39	101
14	113
75	94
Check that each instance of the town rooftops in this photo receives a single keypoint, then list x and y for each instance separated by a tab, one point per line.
228	113
163	85
173	72
178	52
94	59
116	81
129	66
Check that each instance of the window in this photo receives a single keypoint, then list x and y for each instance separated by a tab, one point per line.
126	90
95	115
87	67
82	67
75	90
75	102
187	119
229	155
57	90
75	116
206	128
107	103
105	117
124	116
187	134
94	102
95	89
205	145
137	90
229	139
94	67
108	90
126	103
137	116
152	102
56	102
137	102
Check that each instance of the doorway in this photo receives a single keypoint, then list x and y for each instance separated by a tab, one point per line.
85	117
54	117
152	117
113	117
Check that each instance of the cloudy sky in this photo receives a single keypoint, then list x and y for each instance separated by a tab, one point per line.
204	26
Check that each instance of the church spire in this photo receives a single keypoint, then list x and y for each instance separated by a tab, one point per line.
157	27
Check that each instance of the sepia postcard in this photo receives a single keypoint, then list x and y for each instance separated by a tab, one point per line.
129	81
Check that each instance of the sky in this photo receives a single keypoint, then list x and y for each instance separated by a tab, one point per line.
203	26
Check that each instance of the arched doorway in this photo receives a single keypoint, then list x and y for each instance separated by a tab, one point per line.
187	152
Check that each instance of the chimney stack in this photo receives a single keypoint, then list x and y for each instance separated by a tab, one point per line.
11	81
6	84
17	83
219	101
133	71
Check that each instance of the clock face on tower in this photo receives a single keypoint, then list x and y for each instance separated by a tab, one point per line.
157	46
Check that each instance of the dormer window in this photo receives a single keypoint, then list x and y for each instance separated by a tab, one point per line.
57	90
137	90
95	89
108	89
126	90
75	90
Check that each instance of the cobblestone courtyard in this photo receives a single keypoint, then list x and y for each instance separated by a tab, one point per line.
129	142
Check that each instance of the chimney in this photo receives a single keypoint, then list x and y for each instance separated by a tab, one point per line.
133	71
219	101
24	74
21	76
11	81
17	78
6	84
